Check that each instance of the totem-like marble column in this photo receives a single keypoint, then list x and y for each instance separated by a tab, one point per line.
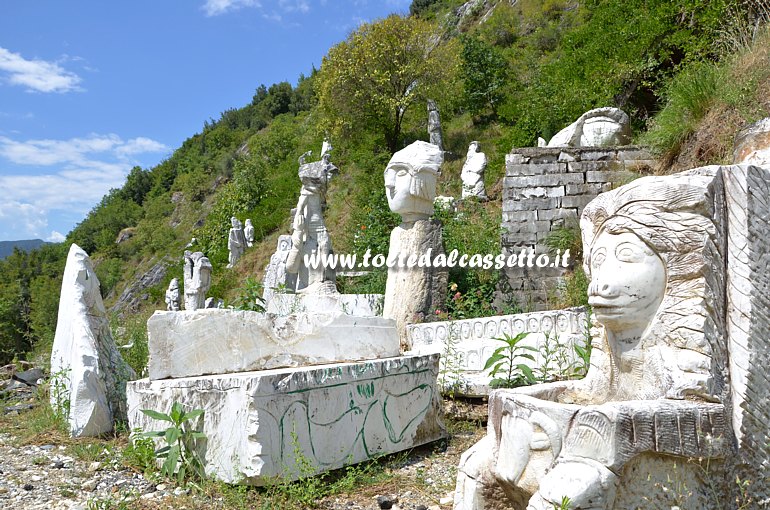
410	184
435	134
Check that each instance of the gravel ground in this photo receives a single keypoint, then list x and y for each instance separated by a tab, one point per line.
52	477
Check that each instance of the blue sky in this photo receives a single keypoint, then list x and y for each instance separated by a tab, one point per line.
89	89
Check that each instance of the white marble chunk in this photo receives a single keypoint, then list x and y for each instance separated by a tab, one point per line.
361	305
87	370
261	425
219	341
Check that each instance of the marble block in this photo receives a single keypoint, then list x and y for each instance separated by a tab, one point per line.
219	341
261	425
86	367
360	305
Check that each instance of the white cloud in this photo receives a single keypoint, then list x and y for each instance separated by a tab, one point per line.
294	5
37	75
55	237
86	169
140	145
217	7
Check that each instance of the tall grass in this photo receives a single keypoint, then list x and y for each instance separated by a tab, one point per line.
689	97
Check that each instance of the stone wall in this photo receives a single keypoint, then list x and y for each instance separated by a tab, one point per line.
546	188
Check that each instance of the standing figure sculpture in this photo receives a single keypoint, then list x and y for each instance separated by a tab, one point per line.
248	232
236	242
473	173
173	299
310	236
197	280
412	293
435	134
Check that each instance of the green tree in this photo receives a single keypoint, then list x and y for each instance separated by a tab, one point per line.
370	80
483	70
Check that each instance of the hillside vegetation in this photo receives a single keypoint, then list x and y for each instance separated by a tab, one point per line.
688	72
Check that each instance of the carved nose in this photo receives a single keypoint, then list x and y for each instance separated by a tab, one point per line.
602	289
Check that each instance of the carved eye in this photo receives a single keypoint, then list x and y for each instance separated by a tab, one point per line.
598	258
628	252
401	172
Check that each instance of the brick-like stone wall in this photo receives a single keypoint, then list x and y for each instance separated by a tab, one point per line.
546	188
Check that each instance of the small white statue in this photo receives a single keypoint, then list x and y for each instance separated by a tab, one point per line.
248	231
473	172
326	147
236	242
173	299
197	280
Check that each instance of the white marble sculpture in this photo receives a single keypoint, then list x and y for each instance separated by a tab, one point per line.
326	147
435	134
654	397
600	127
310	236
472	173
248	232
173	298
236	242
197	280
89	376
276	277
752	144
410	185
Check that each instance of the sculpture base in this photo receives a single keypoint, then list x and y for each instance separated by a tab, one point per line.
297	422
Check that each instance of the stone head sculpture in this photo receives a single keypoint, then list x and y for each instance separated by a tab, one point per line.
649	252
410	180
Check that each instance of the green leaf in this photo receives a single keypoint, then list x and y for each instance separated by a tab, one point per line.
156	415
494	358
172	434
528	374
177	412
193	414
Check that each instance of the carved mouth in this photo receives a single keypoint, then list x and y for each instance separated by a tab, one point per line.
606	308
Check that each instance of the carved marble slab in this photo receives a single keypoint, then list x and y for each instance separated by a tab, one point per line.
261	425
219	341
465	345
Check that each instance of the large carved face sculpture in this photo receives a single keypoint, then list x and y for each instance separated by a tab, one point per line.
410	180
628	281
655	263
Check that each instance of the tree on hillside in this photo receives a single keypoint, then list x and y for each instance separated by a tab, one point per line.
483	71
370	80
